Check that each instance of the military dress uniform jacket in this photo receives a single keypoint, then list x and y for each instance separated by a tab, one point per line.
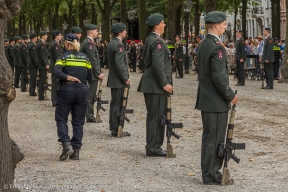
118	69
10	53
42	54
54	51
214	93
32	56
23	55
16	55
158	66
88	48
179	52
240	49
268	53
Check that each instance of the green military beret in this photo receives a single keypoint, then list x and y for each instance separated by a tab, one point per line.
24	37
56	32
17	38
11	39
91	27
6	40
215	17
77	30
42	33
154	19
32	35
118	27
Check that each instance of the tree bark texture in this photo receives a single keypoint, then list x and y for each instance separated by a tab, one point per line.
244	8
210	5
171	26
123	16
275	18
196	19
10	155
142	19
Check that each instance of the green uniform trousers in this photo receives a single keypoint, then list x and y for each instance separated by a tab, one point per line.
17	76
240	72
24	79
42	81
115	105
268	69
53	89
214	130
32	85
156	106
179	65
91	100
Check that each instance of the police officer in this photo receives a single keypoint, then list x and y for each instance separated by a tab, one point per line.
73	70
268	58
32	63
179	56
23	60
43	65
88	47
118	74
11	52
240	58
16	56
155	83
277	56
213	97
55	51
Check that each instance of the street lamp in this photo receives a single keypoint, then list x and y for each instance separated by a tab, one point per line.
131	17
100	34
191	28
64	26
238	24
87	21
187	6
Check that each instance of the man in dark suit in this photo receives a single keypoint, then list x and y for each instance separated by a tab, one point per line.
155	84
32	63
240	58
268	58
88	47
118	74
213	97
179	56
55	51
43	64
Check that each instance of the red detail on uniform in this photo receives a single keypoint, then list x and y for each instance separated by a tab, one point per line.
120	49
220	54
270	41
218	42
159	46
90	46
42	47
56	48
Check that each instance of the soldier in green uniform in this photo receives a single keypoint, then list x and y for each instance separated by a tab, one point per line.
88	47
32	63
77	31
118	74
178	56
55	52
10	52
16	56
240	58
268	58
23	62
213	97
155	84
43	64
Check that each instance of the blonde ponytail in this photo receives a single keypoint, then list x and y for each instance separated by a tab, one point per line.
75	44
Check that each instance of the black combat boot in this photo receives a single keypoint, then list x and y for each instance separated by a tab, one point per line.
75	155
66	151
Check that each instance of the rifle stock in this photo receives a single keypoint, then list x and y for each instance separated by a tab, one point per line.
226	150
121	113
99	103
166	120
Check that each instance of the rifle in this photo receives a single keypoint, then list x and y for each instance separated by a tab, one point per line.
121	113
166	120
225	150
99	103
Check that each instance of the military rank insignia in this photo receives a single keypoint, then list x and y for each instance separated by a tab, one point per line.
90	46
120	49
220	54
159	46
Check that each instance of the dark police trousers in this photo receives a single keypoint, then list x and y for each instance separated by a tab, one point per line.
71	97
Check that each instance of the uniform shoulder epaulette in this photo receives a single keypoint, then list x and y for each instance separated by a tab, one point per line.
217	42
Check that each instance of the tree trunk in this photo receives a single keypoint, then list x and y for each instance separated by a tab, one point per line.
177	24
244	8
284	68
10	155
235	18
276	18
197	18
171	25
210	5
142	19
93	13
123	16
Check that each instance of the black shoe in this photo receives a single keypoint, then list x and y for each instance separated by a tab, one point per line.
66	151
17	86
239	84
113	134
155	154
75	155
269	87
179	77
124	134
91	121
212	183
